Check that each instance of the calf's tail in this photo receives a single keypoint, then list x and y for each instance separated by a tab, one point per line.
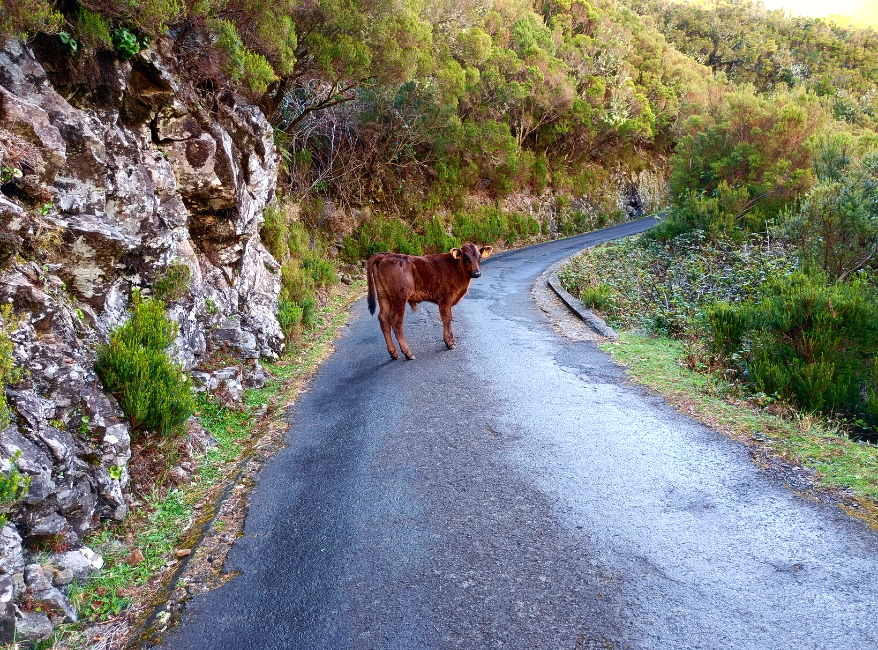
370	280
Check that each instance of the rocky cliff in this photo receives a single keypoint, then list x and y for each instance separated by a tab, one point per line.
134	181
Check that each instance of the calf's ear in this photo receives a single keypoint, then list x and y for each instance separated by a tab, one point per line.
486	250
455	253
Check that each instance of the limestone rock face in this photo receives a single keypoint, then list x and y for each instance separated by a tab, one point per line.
135	178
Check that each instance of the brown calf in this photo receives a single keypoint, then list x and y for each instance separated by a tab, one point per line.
399	279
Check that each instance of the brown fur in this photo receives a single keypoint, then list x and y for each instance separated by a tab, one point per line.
396	279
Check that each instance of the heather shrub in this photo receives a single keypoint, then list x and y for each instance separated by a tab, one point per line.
807	341
173	284
599	297
24	18
92	28
13	487
152	389
241	63
9	374
304	267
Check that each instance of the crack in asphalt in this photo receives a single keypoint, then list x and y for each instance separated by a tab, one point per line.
519	492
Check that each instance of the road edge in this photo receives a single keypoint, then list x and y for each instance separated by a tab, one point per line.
588	316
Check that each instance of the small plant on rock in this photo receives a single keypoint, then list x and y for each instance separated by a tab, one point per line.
13	487
174	284
127	44
69	41
9	374
153	391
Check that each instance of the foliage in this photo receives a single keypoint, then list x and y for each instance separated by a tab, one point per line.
242	64
484	225
304	266
69	41
13	486
152	16
834	229
152	390
737	164
9	373
92	28
24	18
806	341
776	50
173	284
128	44
667	287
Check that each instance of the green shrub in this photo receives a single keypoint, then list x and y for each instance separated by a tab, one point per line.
305	267
13	487
127	43
599	297
815	342
289	315
151	388
241	63
834	228
809	342
274	232
436	238
871	405
256	71
24	18
382	235
540	173
727	326
154	16
173	283
9	374
92	28
717	215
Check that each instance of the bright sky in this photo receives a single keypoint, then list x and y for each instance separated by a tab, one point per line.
815	7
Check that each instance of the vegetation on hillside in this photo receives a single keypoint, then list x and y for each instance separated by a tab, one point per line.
766	263
773	50
151	388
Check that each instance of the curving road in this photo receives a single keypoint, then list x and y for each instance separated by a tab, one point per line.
517	492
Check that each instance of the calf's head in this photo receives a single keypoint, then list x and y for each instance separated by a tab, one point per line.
469	258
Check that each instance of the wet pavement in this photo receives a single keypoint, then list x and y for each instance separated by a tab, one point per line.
518	492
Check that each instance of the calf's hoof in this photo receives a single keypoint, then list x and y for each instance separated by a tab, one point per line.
410	356
394	355
448	345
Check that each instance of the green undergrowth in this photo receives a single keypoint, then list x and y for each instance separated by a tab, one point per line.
815	443
484	225
665	286
163	521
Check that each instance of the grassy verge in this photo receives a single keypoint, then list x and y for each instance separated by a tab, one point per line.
841	465
164	524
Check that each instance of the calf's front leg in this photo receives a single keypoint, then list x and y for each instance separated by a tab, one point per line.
447	334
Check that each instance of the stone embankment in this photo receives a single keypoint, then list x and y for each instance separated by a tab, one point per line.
124	184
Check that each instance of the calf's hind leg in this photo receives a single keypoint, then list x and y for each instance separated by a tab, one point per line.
384	321
396	319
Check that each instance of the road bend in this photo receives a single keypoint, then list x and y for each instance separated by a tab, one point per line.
518	492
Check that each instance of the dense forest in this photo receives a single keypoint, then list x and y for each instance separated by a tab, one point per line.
415	125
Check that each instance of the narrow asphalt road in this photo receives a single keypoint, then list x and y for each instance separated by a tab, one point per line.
518	492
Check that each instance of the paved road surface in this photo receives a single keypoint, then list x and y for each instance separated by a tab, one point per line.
517	492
